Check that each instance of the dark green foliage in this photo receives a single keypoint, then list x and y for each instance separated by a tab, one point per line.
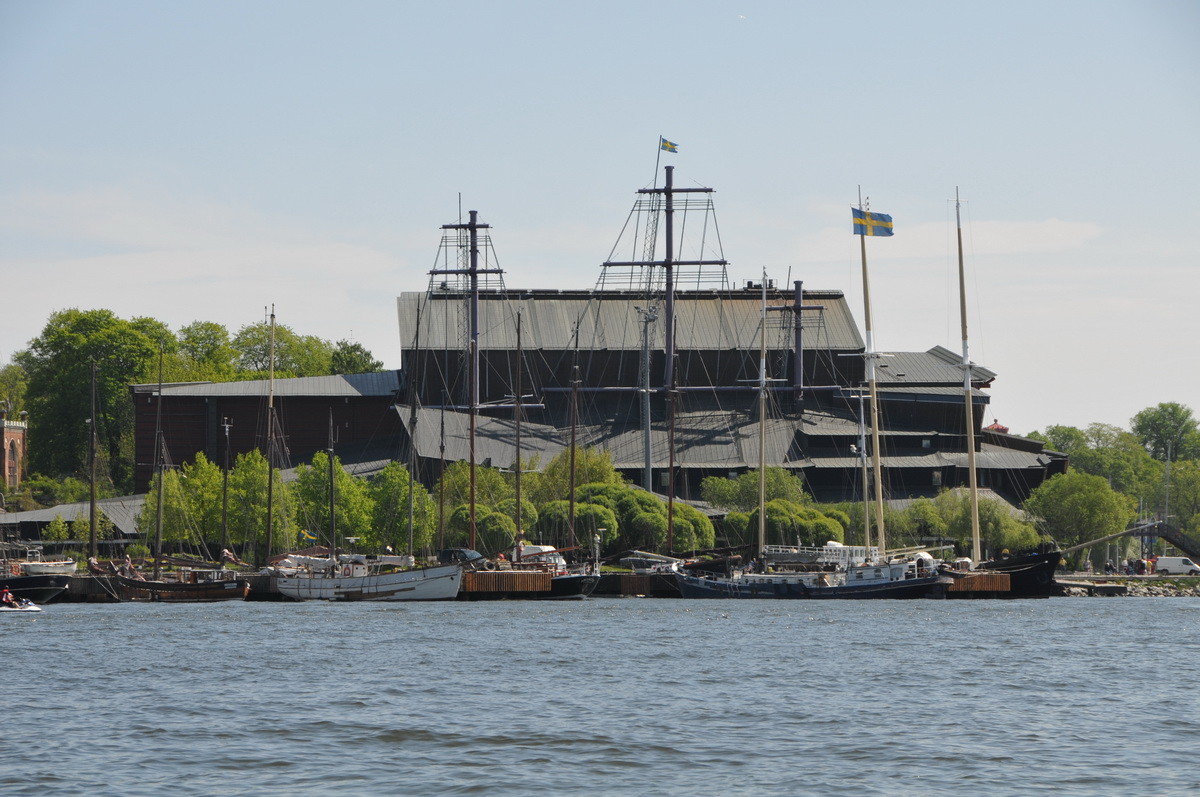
352	358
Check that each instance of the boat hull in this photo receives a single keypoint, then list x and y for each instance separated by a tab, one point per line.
426	584
573	586
135	589
39	589
1030	575
49	568
791	589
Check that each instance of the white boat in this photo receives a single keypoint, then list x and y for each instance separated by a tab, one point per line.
20	606
35	565
355	578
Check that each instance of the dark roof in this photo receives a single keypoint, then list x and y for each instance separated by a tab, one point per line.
938	366
710	320
495	438
383	383
122	512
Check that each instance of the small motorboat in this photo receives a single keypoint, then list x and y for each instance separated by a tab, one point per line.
20	605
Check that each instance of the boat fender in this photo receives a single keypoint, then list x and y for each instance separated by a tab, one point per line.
346	570
489	565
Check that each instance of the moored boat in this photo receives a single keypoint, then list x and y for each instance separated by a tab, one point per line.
830	571
37	588
355	578
191	585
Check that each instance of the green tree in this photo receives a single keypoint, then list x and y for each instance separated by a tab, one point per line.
389	489
742	493
206	353
1076	507
58	365
248	506
353	358
1168	428
353	504
295	355
56	530
13	383
1066	439
491	488
1119	457
592	466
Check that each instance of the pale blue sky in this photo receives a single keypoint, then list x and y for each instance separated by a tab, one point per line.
200	160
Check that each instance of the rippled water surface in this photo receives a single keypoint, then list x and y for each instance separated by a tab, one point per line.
604	697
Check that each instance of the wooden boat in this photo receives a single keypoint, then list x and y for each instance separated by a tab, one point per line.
357	579
191	585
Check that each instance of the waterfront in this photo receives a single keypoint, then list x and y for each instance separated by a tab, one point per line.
603	697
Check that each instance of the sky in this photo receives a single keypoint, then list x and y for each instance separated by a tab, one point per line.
201	161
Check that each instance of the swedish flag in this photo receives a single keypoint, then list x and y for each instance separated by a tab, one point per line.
307	536
868	223
669	146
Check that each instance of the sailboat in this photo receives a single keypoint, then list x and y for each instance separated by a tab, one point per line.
831	571
356	577
190	584
1030	573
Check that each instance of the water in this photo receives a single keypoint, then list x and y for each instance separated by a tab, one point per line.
603	697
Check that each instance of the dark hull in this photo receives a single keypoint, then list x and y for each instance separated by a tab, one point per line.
1030	575
721	587
133	589
39	589
573	585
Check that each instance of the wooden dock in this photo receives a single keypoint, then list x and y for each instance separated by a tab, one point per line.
482	585
979	585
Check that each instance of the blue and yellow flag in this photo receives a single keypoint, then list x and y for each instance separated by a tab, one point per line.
868	223
669	146
306	535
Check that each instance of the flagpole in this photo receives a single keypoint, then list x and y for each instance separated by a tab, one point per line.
657	158
870	357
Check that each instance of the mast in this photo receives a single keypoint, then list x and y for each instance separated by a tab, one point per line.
762	421
472	272
649	316
332	498
226	424
969	416
159	466
92	546
871	356
866	483
270	446
517	423
574	424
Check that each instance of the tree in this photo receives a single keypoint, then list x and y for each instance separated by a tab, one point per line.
295	355
742	493
1065	439
1168	430
389	489
1119	457
352	358
13	383
206	353
58	365
1076	507
592	466
353	506
490	486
